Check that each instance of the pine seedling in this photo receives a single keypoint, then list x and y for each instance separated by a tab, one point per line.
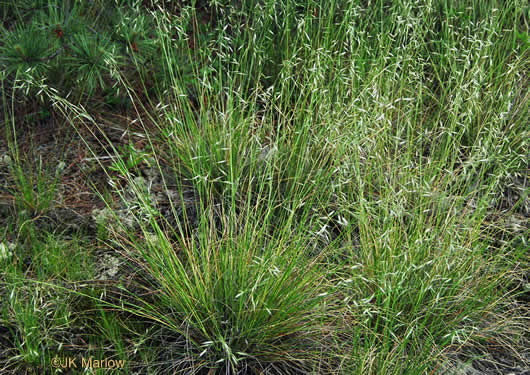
26	52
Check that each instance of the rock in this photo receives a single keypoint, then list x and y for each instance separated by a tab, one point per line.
102	216
5	160
109	267
6	251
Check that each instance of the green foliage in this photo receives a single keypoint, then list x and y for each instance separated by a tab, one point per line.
25	52
244	298
93	58
349	164
75	47
36	190
130	159
136	32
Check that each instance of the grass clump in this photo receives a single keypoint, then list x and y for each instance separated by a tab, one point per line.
302	187
236	297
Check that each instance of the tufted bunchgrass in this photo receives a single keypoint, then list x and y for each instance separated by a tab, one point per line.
349	164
